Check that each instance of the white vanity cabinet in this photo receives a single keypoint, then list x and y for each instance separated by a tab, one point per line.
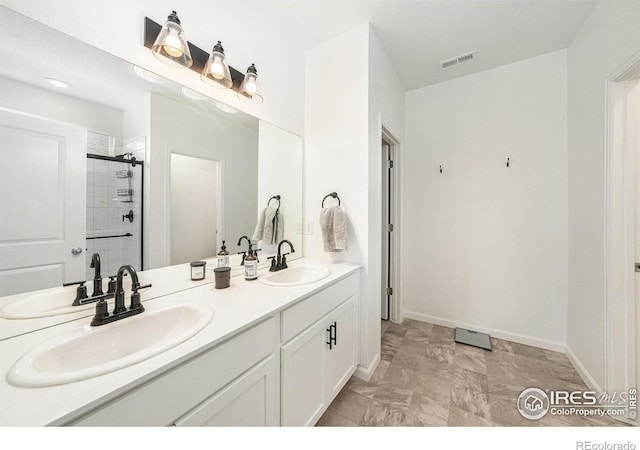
319	353
235	383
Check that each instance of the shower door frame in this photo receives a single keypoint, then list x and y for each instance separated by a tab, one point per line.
130	162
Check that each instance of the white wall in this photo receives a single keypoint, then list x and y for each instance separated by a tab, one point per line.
280	156
607	39
53	105
187	129
117	27
343	101
485	246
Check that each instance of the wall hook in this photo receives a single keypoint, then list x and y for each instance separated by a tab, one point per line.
508	162
440	169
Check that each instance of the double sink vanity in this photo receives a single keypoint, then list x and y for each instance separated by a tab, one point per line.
261	353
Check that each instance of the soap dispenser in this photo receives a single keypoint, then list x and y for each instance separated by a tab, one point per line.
251	266
223	256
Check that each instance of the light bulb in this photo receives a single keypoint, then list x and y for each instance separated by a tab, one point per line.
217	69
172	45
251	86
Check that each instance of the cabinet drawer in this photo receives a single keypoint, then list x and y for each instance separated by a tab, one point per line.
162	400
304	314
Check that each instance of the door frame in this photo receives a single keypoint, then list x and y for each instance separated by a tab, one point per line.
387	133
620	308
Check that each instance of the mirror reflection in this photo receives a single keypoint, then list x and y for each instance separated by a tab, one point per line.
102	157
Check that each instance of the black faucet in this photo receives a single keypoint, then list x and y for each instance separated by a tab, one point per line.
279	261
244	254
120	311
97	277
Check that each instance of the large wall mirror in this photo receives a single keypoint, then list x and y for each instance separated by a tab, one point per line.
103	157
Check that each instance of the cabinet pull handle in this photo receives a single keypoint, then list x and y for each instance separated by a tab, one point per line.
330	341
335	333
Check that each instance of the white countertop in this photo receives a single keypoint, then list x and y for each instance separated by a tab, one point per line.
237	308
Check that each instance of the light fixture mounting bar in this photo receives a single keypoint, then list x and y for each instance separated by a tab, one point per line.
151	31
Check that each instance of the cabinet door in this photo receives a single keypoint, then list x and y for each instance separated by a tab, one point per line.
249	401
340	359
303	382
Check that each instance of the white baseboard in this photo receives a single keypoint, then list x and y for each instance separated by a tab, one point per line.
519	338
582	371
365	373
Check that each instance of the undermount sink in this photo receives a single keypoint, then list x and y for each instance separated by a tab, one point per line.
88	352
295	276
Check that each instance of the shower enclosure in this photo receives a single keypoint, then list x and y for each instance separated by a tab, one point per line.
114	205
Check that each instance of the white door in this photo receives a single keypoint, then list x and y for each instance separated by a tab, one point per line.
42	202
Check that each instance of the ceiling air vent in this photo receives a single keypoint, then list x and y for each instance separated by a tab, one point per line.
458	60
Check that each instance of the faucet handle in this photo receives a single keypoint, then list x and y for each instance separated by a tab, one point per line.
273	263
112	285
81	292
101	313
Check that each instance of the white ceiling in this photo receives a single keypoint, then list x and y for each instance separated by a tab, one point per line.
417	35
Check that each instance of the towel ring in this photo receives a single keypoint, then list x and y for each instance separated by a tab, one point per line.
275	197
332	194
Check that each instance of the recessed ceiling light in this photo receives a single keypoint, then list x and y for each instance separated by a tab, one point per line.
58	83
149	76
226	108
193	95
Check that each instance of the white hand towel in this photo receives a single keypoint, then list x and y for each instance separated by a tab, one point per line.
270	226
333	224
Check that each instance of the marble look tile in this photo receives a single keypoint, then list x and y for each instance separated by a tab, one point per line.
398	375
531	368
332	419
563	367
350	405
470	392
392	395
428	412
439	352
361	387
395	329
417	335
505	413
460	418
383	415
501	345
417	325
444	332
470	358
529	351
406	358
380	371
501	367
389	346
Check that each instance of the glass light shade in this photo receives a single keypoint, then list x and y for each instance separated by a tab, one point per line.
216	72
250	90
171	45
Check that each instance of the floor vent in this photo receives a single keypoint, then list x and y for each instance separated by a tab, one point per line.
458	60
473	338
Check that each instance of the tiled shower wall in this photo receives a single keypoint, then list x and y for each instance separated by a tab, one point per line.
106	205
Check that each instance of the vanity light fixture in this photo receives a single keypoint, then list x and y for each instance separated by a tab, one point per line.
250	90
213	69
58	83
171	46
216	72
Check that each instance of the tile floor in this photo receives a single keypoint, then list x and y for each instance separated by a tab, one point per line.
426	379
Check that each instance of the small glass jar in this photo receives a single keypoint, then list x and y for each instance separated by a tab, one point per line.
198	269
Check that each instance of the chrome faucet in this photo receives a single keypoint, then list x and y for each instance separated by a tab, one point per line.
97	277
120	311
279	261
